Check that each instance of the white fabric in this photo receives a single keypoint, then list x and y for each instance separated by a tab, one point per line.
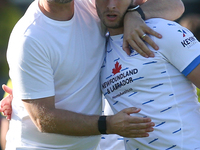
61	58
157	86
110	141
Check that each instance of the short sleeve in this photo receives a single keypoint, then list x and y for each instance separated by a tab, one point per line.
178	46
30	69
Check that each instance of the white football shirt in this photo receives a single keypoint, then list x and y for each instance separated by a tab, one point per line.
158	86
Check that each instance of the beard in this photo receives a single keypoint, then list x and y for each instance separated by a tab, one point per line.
116	25
113	25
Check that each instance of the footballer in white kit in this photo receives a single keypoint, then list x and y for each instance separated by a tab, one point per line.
158	86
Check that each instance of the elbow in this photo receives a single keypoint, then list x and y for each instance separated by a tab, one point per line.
45	125
41	126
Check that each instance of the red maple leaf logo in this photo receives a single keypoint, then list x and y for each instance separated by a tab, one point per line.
117	68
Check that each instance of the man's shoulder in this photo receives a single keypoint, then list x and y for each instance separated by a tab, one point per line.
170	30
162	25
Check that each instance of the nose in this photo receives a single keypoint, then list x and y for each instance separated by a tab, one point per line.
111	5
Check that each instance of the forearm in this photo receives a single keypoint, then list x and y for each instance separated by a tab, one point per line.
49	119
166	9
69	123
75	124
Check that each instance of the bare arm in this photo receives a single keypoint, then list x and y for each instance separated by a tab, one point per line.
194	76
166	9
51	120
135	27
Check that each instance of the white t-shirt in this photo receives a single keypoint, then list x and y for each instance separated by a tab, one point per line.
55	58
158	86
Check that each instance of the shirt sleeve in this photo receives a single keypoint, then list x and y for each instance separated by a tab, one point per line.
30	69
178	46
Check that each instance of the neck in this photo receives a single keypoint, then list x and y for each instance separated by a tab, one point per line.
115	31
57	10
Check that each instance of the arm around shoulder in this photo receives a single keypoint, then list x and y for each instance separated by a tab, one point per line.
166	9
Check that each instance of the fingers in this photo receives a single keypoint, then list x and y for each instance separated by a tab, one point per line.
154	33
142	124
131	110
136	129
126	47
6	112
137	40
7	89
126	125
134	122
134	119
6	101
8	117
149	31
138	45
139	133
6	109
